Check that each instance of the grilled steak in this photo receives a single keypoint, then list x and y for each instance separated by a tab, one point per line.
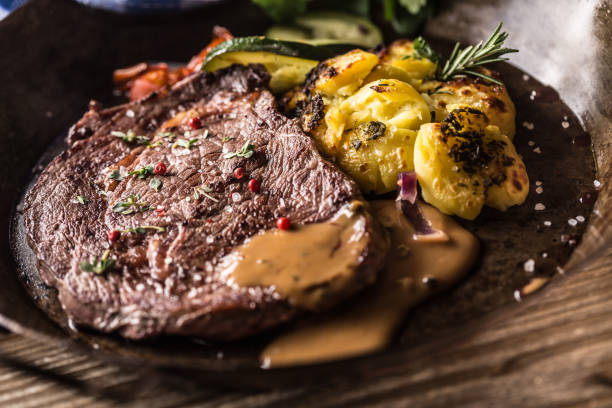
166	281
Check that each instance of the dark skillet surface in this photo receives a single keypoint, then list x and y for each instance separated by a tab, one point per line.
565	167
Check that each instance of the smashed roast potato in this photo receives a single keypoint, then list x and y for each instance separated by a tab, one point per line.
463	163
490	98
364	110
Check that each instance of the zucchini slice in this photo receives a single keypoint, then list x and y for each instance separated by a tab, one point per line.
287	62
329	28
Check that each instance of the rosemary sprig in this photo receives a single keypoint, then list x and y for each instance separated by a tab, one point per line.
463	62
98	265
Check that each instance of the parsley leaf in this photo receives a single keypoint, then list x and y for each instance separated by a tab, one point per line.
204	190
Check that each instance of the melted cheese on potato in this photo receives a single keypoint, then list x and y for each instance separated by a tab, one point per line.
463	164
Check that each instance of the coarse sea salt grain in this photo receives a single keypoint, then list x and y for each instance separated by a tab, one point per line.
528	125
532	95
544	254
531	143
572	222
130	113
539	207
537	150
210	239
529	266
565	124
547	223
236	197
525	77
580	218
539	190
538	183
596	183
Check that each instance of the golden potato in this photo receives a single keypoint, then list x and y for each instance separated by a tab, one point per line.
400	54
463	163
343	74
491	99
371	133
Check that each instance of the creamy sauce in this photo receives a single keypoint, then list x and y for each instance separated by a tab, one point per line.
311	265
415	269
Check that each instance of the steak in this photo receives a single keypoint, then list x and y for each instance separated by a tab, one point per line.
165	277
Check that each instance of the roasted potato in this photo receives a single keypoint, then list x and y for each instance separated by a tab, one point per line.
400	54
491	99
372	132
464	163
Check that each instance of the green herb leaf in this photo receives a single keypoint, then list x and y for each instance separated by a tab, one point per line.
423	50
462	62
131	137
82	199
186	144
143	172
167	135
130	206
282	10
246	151
115	175
155	184
98	265
143	229
226	139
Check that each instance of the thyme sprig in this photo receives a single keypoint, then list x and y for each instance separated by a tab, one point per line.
130	206
465	61
246	151
142	172
98	265
130	137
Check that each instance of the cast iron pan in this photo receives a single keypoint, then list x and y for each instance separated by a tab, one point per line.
66	56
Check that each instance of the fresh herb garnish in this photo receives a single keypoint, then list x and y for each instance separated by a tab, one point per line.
246	151
156	144
143	172
155	184
130	206
98	265
115	175
204	190
465	61
167	135
226	139
81	199
143	229
205	134
186	144
131	137
423	50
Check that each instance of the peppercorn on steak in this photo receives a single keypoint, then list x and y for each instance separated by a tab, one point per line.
133	222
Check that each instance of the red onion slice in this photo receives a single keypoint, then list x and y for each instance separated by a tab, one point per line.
408	204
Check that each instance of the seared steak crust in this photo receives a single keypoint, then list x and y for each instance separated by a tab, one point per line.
166	282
